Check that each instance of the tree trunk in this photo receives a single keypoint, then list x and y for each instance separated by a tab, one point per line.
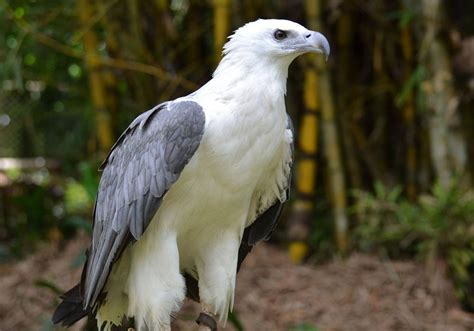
409	115
448	149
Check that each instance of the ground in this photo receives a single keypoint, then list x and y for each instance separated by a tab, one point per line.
360	293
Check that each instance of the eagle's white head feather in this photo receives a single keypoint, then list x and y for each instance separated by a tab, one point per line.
270	41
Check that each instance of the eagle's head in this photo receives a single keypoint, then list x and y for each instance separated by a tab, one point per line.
275	39
263	50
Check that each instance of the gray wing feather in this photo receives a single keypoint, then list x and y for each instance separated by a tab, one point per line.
140	168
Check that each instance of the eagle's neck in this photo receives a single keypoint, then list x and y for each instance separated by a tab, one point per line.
247	75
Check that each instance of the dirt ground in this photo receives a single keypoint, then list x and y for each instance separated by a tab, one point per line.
360	293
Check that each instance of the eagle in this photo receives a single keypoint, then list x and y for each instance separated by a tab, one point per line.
191	186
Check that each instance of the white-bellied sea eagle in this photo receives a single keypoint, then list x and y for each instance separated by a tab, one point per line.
191	186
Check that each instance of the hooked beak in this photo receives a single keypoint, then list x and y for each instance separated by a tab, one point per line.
317	42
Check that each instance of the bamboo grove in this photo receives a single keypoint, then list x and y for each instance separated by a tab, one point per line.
390	110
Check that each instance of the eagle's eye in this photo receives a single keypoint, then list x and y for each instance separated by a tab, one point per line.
279	34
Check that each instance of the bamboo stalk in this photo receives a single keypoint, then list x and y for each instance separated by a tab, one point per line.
381	102
306	166
136	32
221	26
103	9
306	169
111	29
331	143
144	89
96	82
344	41
376	168
250	9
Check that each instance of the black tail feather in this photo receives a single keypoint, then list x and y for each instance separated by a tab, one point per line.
70	310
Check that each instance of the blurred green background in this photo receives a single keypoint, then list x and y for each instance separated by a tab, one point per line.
384	128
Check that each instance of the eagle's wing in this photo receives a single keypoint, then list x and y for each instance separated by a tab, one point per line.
141	167
265	223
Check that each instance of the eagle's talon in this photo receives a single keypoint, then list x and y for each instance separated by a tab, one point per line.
207	320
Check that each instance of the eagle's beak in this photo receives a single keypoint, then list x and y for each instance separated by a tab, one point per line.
318	43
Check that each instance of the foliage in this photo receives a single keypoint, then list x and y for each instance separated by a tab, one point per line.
80	195
437	225
235	320
42	206
320	239
305	327
41	91
34	211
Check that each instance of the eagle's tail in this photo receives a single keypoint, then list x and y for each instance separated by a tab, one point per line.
71	309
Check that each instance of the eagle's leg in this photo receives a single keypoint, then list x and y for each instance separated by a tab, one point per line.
156	287
206	322
217	268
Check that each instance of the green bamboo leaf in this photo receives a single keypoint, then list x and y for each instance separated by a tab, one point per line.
413	82
235	320
50	285
305	327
